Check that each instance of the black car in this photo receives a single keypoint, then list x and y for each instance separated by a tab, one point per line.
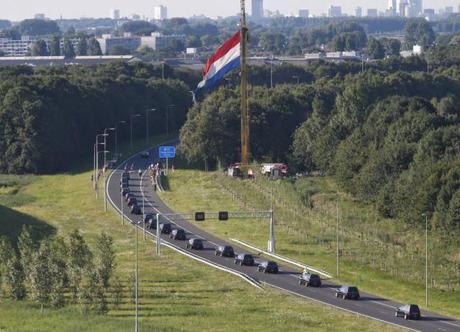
309	279
196	244
132	201
125	191
268	267
225	251
149	218
408	311
145	154
125	176
128	195
244	259
165	228
177	234
348	292
135	209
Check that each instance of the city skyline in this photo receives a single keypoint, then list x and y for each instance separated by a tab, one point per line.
21	9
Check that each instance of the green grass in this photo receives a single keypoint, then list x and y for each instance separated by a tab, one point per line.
308	234
176	293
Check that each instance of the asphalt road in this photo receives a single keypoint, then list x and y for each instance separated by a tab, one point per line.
287	279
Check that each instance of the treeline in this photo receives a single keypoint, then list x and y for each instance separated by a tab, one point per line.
390	138
49	116
56	271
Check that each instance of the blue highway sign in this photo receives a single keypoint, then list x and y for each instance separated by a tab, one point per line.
167	151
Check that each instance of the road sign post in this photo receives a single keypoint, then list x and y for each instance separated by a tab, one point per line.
167	152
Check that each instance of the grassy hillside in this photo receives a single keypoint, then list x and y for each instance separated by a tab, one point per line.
308	234
176	293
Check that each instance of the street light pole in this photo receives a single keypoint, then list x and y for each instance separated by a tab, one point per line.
426	258
147	136
105	165
337	237
97	162
131	117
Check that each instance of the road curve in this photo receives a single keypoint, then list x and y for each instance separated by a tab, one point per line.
370	306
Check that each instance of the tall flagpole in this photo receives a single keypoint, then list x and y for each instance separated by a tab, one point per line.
244	90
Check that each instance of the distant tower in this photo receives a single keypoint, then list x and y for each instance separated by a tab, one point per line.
359	12
257	8
392	7
160	13
115	14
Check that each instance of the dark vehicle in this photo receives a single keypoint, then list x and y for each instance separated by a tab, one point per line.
132	201
125	191
178	234
124	183
149	218
145	154
244	259
268	267
165	228
125	176
128	195
347	292
408	311
225	251
309	279
136	209
110	165
196	244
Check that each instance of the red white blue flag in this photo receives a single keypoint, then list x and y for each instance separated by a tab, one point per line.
226	58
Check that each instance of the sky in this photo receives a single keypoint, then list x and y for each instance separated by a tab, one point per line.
22	9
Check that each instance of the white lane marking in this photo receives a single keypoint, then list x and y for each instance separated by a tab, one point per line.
337	307
384	304
450	323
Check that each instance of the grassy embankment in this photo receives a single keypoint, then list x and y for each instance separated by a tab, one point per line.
308	234
176	293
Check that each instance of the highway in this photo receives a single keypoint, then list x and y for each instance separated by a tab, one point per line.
287	279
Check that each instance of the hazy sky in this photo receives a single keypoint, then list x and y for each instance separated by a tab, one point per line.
20	9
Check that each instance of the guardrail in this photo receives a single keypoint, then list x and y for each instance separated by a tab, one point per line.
284	259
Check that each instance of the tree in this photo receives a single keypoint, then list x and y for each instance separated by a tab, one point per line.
41	281
375	49
68	49
82	47
58	272
93	47
15	278
34	27
139	28
55	46
105	258
117	292
419	32
79	261
27	247
39	48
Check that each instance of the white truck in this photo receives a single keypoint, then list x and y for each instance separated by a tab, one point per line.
268	169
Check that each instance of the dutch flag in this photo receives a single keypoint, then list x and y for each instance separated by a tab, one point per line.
226	58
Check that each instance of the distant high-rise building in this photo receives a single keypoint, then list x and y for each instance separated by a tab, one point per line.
392	7
372	12
359	12
39	16
334	11
160	13
257	8
415	8
304	13
449	10
401	7
115	14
